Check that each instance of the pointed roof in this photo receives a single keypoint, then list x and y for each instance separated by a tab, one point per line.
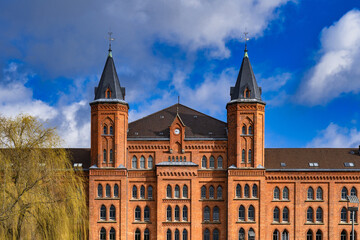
246	79
109	80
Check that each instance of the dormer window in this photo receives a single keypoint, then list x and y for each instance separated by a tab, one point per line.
108	93
247	93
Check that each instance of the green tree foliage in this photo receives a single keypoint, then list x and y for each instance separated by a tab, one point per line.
41	195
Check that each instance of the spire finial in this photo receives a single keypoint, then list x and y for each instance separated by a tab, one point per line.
246	39
110	39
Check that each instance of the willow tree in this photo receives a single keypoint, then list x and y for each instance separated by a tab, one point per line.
41	195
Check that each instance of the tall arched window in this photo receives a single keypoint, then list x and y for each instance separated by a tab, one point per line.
343	215
207	234
105	130
250	130
353	192
104	157
251	213
219	162
246	191
168	191
177	191
254	191
276	193
276	235
185	192
147	234
168	214
103	213
185	213
343	235
241	234
319	214
285	215
310	215
310	193
244	129
146	214
219	192
212	162
238	191
100	190
134	162
112	213
285	235
137	234
185	234
203	162
355	235
243	156
134	192
150	162
276	215
111	130
241	213
168	234
142	192
249	157
251	234
150	192
142	162
344	193
318	235
285	195
216	214
116	190
203	192
177	234
102	234
177	213
216	234
111	159
137	213
319	193
112	234
107	190
309	235
206	213
211	192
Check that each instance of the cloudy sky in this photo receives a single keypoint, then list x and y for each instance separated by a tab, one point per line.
305	55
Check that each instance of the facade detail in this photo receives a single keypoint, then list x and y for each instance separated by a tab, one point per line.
179	174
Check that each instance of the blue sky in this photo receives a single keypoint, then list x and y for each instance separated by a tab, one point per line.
305	55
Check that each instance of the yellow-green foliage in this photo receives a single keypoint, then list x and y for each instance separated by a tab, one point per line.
41	195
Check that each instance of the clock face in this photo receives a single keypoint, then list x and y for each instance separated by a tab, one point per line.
177	131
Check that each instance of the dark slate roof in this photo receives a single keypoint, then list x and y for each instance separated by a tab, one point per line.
109	79
197	125
299	159
245	79
80	155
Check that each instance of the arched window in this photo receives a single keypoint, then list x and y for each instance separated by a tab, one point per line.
285	235
319	214
309	235
241	213
150	192
219	192
251	213
319	193
146	214
244	129
168	234
343	215
134	192
276	235
318	235
105	158
249	157
310	215
102	234
216	234
285	215
251	234
310	193
206	213
142	192
177	234
108	94
285	195
137	234
147	234
344	193
250	130
112	213
203	162
168	214
177	191
254	191
134	162
238	191
355	236
241	234
100	190
353	192
276	217
343	235
276	193
211	192
185	235
246	191
150	162
168	191
137	213
207	234
216	214
111	159
112	234
116	190
212	162
105	130
185	213
243	156
177	213
107	190
111	130
142	162
219	162
103	213
185	192
203	192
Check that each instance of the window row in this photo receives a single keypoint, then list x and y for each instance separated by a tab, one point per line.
211	192
108	155
344	235
250	213
345	217
211	163
284	235
251	234
115	193
105	130
310	215
142	192
243	156
277	214
344	193
249	132
103	213
138	214
277	194
176	234
215	234
215	214
138	234
177	213
135	164
246	193
310	235
169	193
111	234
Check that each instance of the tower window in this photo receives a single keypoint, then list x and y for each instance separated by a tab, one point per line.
243	130
111	156
105	130
249	158
104	155
111	130
250	130
243	156
247	93
108	93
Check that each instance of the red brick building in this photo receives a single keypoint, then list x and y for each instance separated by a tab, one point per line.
179	174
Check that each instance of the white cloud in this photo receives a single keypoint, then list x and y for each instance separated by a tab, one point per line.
335	136
337	70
